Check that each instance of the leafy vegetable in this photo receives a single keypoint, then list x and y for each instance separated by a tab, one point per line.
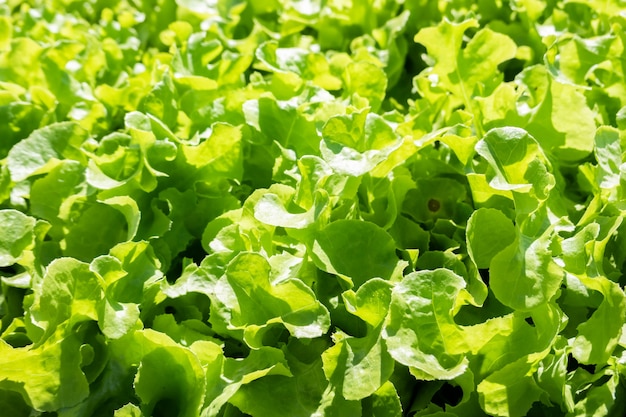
312	208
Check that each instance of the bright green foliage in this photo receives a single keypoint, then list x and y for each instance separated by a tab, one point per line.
489	231
420	325
309	208
355	250
17	235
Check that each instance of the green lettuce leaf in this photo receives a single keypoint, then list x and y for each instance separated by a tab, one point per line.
420	326
358	367
44	148
17	236
252	305
357	251
54	379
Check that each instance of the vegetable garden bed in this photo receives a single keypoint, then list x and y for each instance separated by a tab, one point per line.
312	208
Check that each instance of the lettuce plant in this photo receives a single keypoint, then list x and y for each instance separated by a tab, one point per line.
375	208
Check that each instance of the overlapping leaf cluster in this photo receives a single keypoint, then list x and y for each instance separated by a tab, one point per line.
312	208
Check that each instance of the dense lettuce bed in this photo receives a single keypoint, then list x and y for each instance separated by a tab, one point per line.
312	208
